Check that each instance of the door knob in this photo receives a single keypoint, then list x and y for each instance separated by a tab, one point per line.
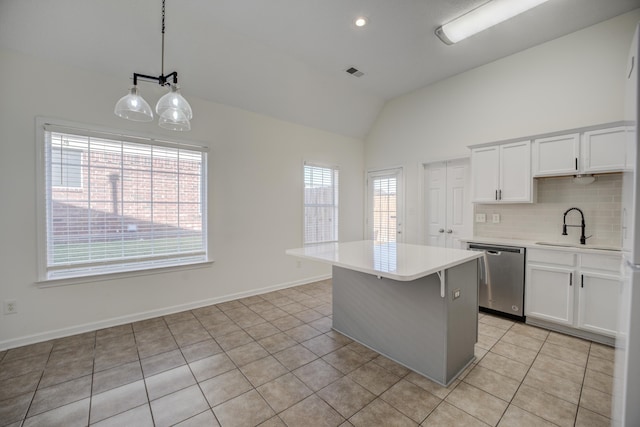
449	231
441	230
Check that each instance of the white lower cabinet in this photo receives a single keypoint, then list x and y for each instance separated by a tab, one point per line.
598	303
573	289
550	294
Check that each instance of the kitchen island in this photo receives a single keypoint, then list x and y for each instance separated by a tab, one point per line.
415	304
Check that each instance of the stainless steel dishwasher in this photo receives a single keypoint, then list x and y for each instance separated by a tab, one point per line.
501	284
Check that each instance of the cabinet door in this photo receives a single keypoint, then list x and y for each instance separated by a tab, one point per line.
556	155
598	303
549	294
604	150
485	172
515	172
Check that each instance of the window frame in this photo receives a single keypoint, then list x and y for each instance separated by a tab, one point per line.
335	176
62	126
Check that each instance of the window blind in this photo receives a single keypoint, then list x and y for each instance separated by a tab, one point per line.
115	203
320	204
385	209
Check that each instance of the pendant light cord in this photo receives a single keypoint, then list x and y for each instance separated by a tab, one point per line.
162	63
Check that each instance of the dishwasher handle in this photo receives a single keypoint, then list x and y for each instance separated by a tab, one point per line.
483	269
487	248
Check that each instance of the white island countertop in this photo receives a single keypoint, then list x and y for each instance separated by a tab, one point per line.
397	261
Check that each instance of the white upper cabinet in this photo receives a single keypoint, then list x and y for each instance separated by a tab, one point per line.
594	151
515	172
485	174
502	173
556	155
604	150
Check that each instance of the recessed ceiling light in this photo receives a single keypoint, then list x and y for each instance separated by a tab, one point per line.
360	21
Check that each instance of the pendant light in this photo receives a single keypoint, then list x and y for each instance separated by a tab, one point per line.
133	107
174	100
173	110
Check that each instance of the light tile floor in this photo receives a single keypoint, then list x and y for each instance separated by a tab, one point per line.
273	360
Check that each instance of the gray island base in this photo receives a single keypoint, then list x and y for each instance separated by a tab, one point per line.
409	321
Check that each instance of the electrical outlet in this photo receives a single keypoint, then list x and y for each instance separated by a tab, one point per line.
10	306
496	218
456	294
480	217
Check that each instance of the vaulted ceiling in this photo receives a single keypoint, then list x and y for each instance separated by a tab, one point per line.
285	58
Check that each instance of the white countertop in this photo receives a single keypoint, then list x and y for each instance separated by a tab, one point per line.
558	246
398	261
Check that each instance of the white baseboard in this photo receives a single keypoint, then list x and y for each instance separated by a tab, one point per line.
572	331
93	326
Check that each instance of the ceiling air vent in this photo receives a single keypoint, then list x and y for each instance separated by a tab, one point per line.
354	72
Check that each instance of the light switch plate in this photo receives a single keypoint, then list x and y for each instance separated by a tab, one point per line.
496	218
481	217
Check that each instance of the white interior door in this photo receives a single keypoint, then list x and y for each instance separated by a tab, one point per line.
448	209
385	200
436	203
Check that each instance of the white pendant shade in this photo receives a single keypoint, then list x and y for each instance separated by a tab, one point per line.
173	100
174	119
133	107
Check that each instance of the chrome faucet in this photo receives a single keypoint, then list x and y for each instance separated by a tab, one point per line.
583	239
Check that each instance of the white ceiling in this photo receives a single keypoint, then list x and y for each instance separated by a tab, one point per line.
284	58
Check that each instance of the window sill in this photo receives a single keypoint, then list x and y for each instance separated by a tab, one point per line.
49	283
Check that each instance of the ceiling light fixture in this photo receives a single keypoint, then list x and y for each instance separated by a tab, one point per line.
360	21
483	17
174	111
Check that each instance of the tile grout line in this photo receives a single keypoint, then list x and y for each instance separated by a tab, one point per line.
93	369
523	379
476	364
144	380
26	413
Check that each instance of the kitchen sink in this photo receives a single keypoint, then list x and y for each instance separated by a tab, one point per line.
569	245
564	245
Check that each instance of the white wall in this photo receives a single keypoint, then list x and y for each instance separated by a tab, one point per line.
255	210
570	82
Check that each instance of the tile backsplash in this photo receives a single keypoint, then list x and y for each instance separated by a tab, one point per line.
542	221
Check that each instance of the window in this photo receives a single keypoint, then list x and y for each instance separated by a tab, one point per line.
66	167
115	203
320	204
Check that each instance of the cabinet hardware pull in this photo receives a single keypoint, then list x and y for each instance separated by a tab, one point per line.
496	194
570	279
576	163
582	280
499	194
